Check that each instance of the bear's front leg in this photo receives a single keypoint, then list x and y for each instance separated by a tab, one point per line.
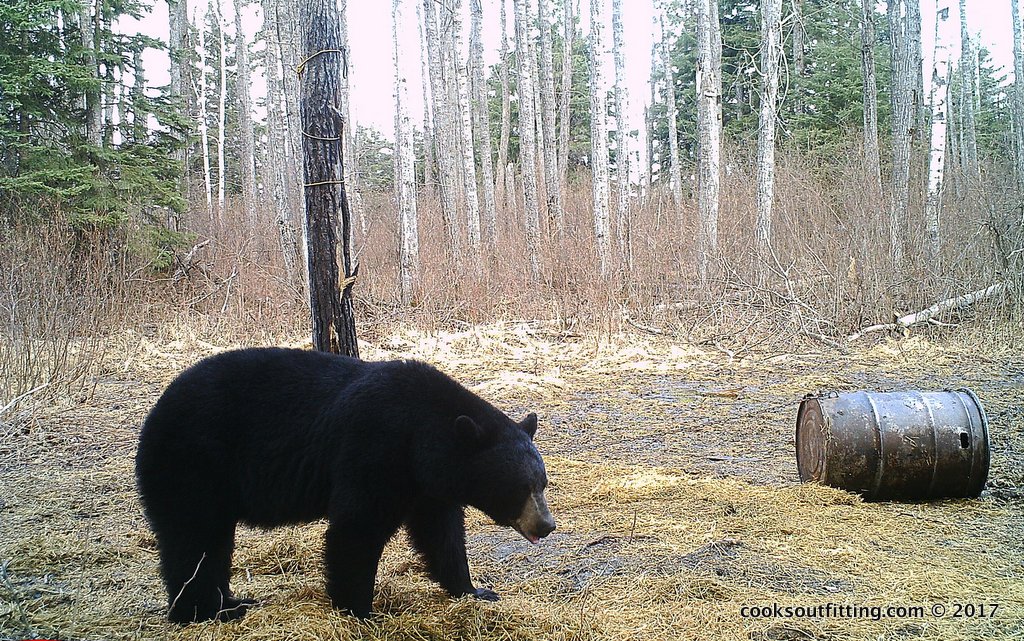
438	532
351	555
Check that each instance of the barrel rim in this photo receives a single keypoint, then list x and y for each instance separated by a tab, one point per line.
986	456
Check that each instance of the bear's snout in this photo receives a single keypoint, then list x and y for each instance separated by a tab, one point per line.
535	521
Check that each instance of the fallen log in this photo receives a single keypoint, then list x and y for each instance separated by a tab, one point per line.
927	315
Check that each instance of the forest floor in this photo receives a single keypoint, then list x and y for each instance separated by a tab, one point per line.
673	481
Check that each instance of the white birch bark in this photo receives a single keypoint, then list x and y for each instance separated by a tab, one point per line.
221	108
598	142
771	49
204	116
445	131
351	162
547	95
622	180
1017	101
429	160
465	123
405	175
672	114
939	100
527	140
968	92
709	132
565	95
504	197
482	127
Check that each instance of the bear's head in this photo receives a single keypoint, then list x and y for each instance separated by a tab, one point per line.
506	475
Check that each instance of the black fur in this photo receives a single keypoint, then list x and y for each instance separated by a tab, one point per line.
271	437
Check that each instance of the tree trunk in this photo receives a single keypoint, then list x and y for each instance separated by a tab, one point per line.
799	62
178	53
1017	101
902	126
771	50
461	77
921	117
482	124
622	180
288	38
565	96
221	109
348	133
139	113
444	133
672	115
968	91
330	293
405	174
93	95
547	95
504	197
429	160
872	161
527	140
204	116
939	99
709	132
245	127
598	142
275	170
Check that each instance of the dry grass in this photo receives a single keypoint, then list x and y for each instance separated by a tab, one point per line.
672	480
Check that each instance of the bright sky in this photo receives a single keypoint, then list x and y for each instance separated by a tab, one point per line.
371	73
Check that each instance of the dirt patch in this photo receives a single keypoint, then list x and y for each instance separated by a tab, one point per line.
673	480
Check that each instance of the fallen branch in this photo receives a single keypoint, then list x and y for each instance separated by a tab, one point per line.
927	315
15	400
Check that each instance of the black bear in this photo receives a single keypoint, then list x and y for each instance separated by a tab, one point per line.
270	437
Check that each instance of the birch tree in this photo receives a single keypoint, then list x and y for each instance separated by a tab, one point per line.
405	169
902	96
771	50
527	140
445	132
204	117
429	159
622	222
709	131
333	318
348	131
1017	103
461	75
276	168
505	195
598	142
872	161
482	126
968	96
547	105
565	95
675	178
245	126
939	121
221	107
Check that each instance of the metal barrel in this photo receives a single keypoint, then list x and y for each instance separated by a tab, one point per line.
895	445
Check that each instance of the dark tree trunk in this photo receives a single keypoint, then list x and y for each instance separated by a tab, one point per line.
330	292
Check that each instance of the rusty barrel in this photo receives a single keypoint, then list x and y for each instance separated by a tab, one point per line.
894	445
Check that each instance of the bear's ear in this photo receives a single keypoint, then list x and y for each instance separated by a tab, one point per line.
529	424
469	430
